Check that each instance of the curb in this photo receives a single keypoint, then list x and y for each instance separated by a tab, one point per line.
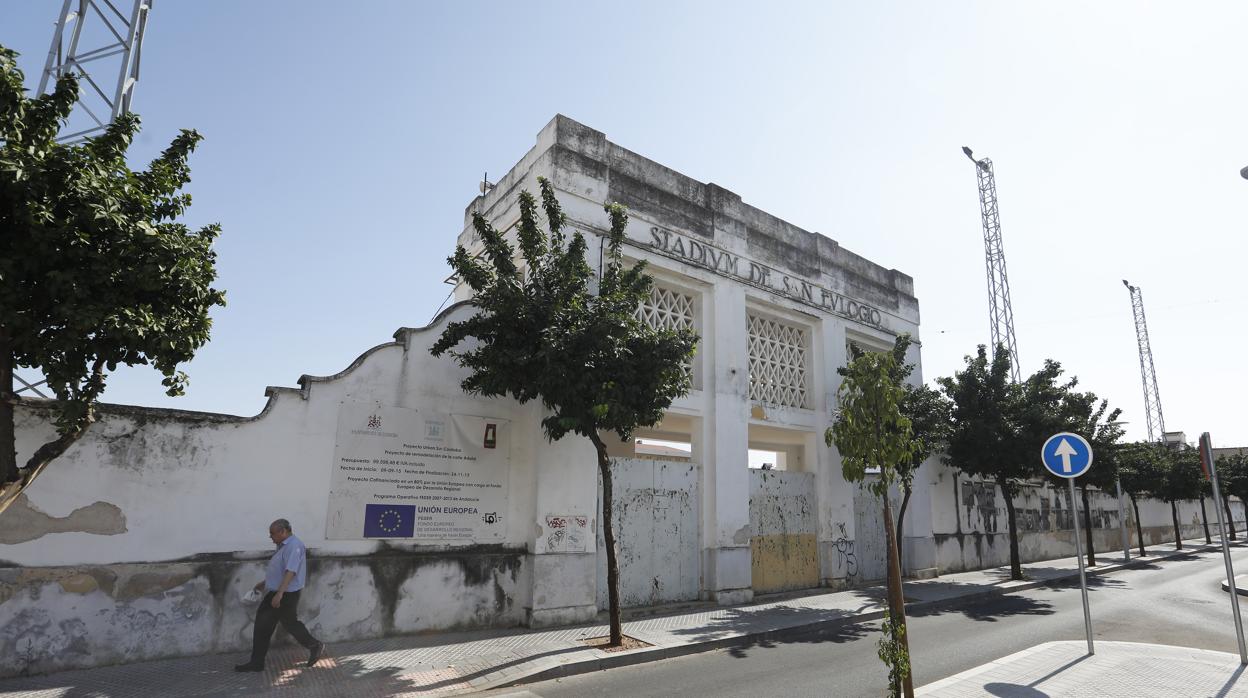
646	655
1241	587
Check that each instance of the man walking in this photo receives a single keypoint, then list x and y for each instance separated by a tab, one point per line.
283	580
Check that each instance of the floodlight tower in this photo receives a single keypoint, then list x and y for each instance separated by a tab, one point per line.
1152	396
1000	312
112	45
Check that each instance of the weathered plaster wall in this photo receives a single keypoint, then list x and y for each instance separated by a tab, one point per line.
655	516
971	530
56	618
142	524
783	548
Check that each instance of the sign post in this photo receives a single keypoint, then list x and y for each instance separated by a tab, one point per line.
1068	455
1122	521
1206	461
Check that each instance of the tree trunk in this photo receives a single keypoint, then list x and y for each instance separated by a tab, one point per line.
1087	524
1230	520
901	518
1204	519
1174	516
45	454
8	442
896	601
1139	528
608	535
1016	565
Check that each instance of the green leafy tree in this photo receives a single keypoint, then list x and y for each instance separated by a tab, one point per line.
1181	482
1142	471
1233	478
95	269
982	438
1087	417
872	433
928	412
545	333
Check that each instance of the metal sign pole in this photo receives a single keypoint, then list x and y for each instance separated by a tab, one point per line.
1122	519
1206	454
1083	580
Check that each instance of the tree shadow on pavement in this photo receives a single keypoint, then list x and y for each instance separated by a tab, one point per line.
769	623
839	633
1095	582
986	609
285	673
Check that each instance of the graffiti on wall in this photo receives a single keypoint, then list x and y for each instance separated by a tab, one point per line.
981	498
845	553
1038	508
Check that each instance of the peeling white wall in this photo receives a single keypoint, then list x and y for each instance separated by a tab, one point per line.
783	532
656	529
971	529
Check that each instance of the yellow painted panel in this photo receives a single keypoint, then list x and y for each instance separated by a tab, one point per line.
784	561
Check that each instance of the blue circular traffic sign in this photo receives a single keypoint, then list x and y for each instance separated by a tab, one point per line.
1066	455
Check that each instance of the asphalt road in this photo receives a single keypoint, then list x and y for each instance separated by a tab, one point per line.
1176	602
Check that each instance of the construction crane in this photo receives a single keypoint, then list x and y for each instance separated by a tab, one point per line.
1000	312
94	40
103	46
1152	396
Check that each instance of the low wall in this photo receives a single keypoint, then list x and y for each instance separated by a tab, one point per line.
57	618
970	527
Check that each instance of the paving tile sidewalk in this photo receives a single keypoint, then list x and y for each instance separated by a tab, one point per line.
455	663
1129	669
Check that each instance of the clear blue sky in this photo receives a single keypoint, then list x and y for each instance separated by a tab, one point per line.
343	141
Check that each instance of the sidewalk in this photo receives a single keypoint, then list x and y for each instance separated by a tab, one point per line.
1064	669
454	663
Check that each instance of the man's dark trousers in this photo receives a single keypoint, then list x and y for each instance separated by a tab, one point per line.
267	619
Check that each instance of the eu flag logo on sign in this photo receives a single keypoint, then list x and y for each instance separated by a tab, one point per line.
389	520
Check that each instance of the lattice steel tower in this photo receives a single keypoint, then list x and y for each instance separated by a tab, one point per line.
1152	396
1000	312
97	41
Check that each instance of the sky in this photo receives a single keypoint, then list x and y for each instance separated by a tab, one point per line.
344	140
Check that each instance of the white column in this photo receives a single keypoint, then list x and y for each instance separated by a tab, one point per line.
836	496
721	445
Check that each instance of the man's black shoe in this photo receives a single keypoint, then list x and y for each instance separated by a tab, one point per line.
315	653
248	667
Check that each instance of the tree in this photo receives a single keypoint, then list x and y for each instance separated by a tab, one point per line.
1087	418
1181	482
1233	478
543	333
872	433
95	270
999	426
1142	471
928	412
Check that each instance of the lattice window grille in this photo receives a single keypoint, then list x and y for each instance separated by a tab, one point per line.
778	374
668	309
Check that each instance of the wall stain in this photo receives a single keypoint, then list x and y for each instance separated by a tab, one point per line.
24	521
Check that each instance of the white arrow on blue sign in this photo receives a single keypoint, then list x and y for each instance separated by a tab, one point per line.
1066	455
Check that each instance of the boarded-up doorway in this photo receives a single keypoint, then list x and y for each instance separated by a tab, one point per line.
870	539
784	551
656	528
